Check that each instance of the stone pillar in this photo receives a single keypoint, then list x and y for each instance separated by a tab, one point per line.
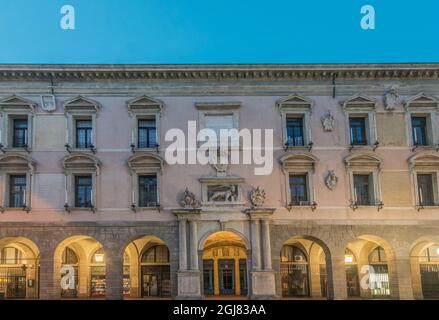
256	247
262	277
266	245
182	244
114	274
336	273
188	275
49	289
193	245
403	271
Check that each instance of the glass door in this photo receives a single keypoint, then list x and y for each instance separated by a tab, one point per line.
208	277
227	276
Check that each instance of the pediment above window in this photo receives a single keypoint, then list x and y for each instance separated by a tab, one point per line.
17	162
81	162
147	162
294	161
16	103
144	104
424	160
362	160
295	101
80	104
422	100
359	101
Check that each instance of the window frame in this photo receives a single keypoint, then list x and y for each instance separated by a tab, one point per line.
426	106
206	109
426	162
16	164
77	109
78	164
364	164
140	108
300	164
89	132
15	107
76	182
296	106
144	164
139	203
23	198
362	106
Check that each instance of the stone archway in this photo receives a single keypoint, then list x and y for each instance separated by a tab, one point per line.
88	272
303	268
147	268
374	261
19	268
424	263
225	264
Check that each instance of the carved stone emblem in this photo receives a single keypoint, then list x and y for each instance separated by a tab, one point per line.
220	161
257	197
222	193
328	122
391	99
189	200
331	180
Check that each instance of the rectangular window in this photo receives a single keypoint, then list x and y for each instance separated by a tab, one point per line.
299	189
363	192
83	191
357	129
219	121
84	131
146	133
17	191
148	191
425	189
295	132
419	131
19	139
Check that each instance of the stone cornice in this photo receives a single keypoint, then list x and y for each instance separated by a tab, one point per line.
219	72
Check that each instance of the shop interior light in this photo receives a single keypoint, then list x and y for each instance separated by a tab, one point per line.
99	257
348	258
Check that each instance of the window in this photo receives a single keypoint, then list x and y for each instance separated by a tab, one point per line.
421	119
296	124
295	132
146	133
425	189
11	255
360	111
19	138
84	133
17	117
363	190
419	131
81	114
17	191
217	122
83	191
299	189
357	127
156	254
148	191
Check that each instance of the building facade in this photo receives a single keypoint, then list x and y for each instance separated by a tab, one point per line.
90	208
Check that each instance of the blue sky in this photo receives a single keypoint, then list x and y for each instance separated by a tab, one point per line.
218	31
